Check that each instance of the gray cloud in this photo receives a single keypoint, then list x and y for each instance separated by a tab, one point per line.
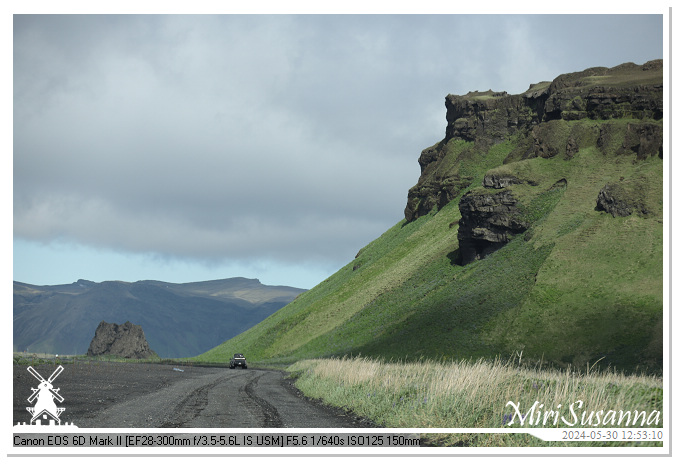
290	138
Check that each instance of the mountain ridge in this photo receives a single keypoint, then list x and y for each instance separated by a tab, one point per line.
570	284
179	319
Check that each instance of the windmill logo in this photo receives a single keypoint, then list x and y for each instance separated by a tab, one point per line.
45	407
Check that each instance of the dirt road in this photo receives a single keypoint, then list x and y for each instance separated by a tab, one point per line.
110	395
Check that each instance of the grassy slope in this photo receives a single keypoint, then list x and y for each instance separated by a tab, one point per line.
578	286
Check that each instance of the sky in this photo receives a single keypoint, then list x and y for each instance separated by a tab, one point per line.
186	148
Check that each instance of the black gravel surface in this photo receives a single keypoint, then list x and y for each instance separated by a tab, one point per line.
114	394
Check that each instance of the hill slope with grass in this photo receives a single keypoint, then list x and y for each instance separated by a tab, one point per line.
536	227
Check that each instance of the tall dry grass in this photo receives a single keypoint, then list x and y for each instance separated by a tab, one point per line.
475	394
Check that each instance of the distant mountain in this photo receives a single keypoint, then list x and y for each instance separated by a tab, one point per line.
179	320
536	227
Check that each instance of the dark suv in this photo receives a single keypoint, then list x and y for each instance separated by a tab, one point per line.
238	360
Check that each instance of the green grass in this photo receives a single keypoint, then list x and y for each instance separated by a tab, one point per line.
578	286
570	310
601	280
22	358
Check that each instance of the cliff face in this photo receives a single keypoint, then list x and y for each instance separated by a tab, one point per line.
628	92
617	111
536	227
488	221
625	91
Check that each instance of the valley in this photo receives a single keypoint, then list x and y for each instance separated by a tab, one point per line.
179	320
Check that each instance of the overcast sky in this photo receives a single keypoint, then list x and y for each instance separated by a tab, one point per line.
189	148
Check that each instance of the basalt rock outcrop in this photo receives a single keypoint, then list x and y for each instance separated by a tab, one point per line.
126	341
489	221
543	121
498	181
620	200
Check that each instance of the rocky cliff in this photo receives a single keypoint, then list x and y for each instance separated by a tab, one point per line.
489	220
126	341
536	229
617	111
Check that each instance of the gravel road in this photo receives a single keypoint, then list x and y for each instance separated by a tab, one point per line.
110	395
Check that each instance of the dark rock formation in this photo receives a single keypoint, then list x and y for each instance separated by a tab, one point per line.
572	147
498	181
487	116
643	139
619	201
433	194
626	91
489	221
432	191
126	340
544	121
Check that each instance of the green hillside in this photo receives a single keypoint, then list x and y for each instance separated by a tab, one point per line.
578	285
